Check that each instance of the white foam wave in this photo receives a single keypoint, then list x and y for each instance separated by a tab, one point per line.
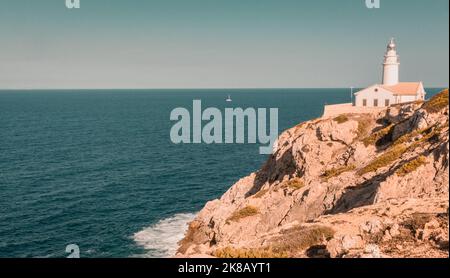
161	239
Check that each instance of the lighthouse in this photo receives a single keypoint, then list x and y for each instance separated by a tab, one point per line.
391	91
380	96
391	65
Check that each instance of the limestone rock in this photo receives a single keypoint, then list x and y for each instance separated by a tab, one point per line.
337	247
372	251
345	175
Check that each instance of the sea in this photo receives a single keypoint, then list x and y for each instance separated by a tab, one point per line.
97	168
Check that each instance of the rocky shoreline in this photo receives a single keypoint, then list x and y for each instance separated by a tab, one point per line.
357	185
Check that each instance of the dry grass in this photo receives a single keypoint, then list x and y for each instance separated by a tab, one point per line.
261	193
365	121
363	127
295	183
437	102
434	133
411	166
300	125
406	138
384	160
400	147
341	119
379	137
243	253
430	134
334	172
417	221
299	238
306	149
243	213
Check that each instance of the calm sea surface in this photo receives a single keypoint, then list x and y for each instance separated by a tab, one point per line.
98	169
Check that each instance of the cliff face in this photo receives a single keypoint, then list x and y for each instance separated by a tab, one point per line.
358	185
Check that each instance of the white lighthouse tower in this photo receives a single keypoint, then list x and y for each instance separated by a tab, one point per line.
391	65
391	91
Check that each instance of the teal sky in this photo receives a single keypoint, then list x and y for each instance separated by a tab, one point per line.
219	43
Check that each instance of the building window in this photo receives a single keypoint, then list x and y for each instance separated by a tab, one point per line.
375	103
387	103
364	102
376	89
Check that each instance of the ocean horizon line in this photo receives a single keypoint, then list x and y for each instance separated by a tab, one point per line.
186	89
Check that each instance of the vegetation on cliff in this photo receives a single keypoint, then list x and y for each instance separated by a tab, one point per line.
437	102
243	213
352	186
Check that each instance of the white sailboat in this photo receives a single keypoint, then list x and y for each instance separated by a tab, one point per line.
229	99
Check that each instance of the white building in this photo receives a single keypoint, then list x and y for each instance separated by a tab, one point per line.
391	91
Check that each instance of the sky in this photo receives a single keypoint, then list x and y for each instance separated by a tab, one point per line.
219	43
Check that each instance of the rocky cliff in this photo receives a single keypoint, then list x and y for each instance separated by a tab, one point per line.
358	185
